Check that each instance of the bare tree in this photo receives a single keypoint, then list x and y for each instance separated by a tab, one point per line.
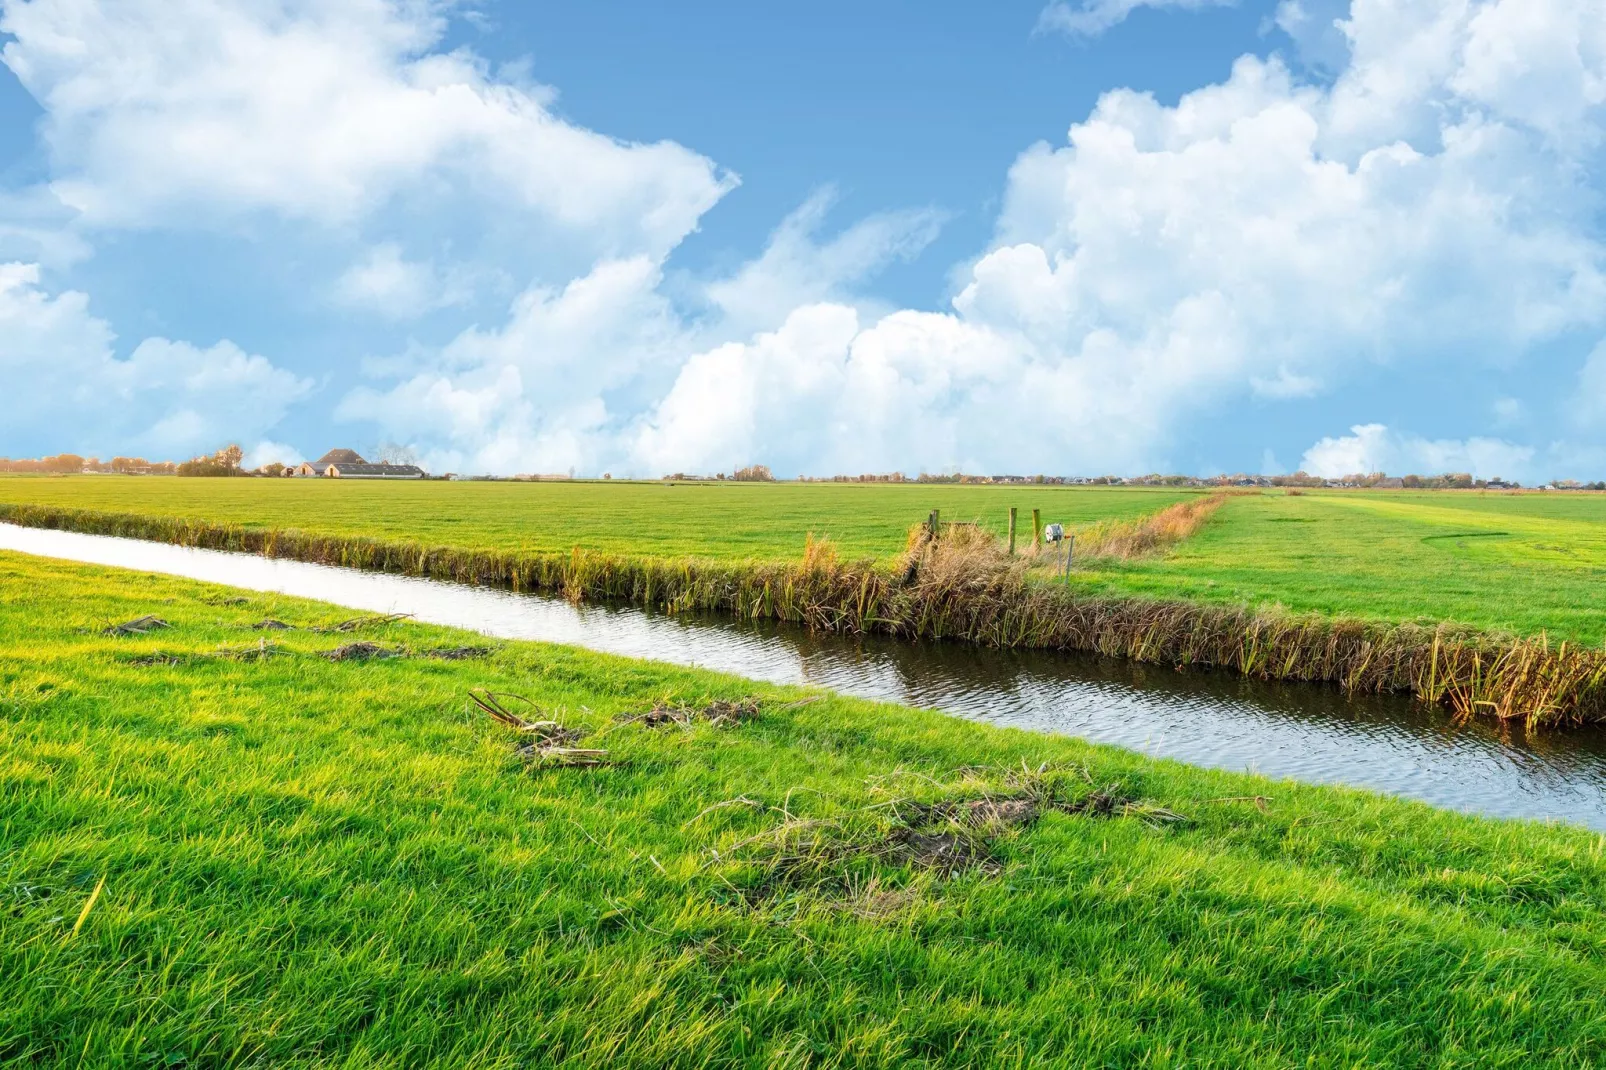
395	453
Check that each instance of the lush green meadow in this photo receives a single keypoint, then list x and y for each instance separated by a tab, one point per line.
1524	563
730	521
302	862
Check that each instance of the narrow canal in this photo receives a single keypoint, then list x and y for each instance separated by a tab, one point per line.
1304	731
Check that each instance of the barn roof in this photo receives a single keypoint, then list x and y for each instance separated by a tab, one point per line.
341	457
378	469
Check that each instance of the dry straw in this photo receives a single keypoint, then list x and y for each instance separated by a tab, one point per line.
963	585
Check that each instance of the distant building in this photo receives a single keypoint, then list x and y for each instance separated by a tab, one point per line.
349	464
373	471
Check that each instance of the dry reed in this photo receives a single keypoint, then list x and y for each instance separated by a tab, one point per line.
1148	535
962	585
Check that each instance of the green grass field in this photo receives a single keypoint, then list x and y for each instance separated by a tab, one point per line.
311	863
1524	563
716	520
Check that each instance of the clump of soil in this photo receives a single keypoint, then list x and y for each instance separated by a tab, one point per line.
363	651
271	625
137	626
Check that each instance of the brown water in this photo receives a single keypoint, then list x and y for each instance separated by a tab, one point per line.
1304	731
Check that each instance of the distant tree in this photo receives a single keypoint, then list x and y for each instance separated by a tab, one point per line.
272	469
64	462
395	453
225	462
754	473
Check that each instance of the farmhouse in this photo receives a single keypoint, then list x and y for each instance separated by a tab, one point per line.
348	464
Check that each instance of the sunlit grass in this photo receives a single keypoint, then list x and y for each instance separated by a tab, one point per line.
727	521
309	862
1525	564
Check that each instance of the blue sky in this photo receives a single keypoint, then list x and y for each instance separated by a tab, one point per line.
1101	235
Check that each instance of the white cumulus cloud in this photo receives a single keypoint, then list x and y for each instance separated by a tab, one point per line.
1375	448
167	399
176	112
1262	236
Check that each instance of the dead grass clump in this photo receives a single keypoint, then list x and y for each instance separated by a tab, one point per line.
1145	536
721	713
458	653
660	716
137	626
357	624
727	714
953	834
363	651
548	742
262	651
819	554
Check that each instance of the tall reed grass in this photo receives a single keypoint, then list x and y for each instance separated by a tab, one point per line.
962	585
1145	536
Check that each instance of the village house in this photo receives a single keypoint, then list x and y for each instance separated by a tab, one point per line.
349	464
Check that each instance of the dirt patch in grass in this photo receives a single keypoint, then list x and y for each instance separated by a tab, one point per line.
363	651
271	625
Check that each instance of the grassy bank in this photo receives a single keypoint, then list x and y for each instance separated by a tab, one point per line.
309	862
964	586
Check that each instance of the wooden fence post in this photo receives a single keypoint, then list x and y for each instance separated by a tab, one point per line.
1037	528
1012	531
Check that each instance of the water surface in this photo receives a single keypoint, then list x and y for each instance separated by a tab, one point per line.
1309	732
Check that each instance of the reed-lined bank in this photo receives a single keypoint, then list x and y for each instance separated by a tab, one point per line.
962	586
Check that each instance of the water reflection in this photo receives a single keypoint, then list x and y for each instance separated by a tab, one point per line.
1311	733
